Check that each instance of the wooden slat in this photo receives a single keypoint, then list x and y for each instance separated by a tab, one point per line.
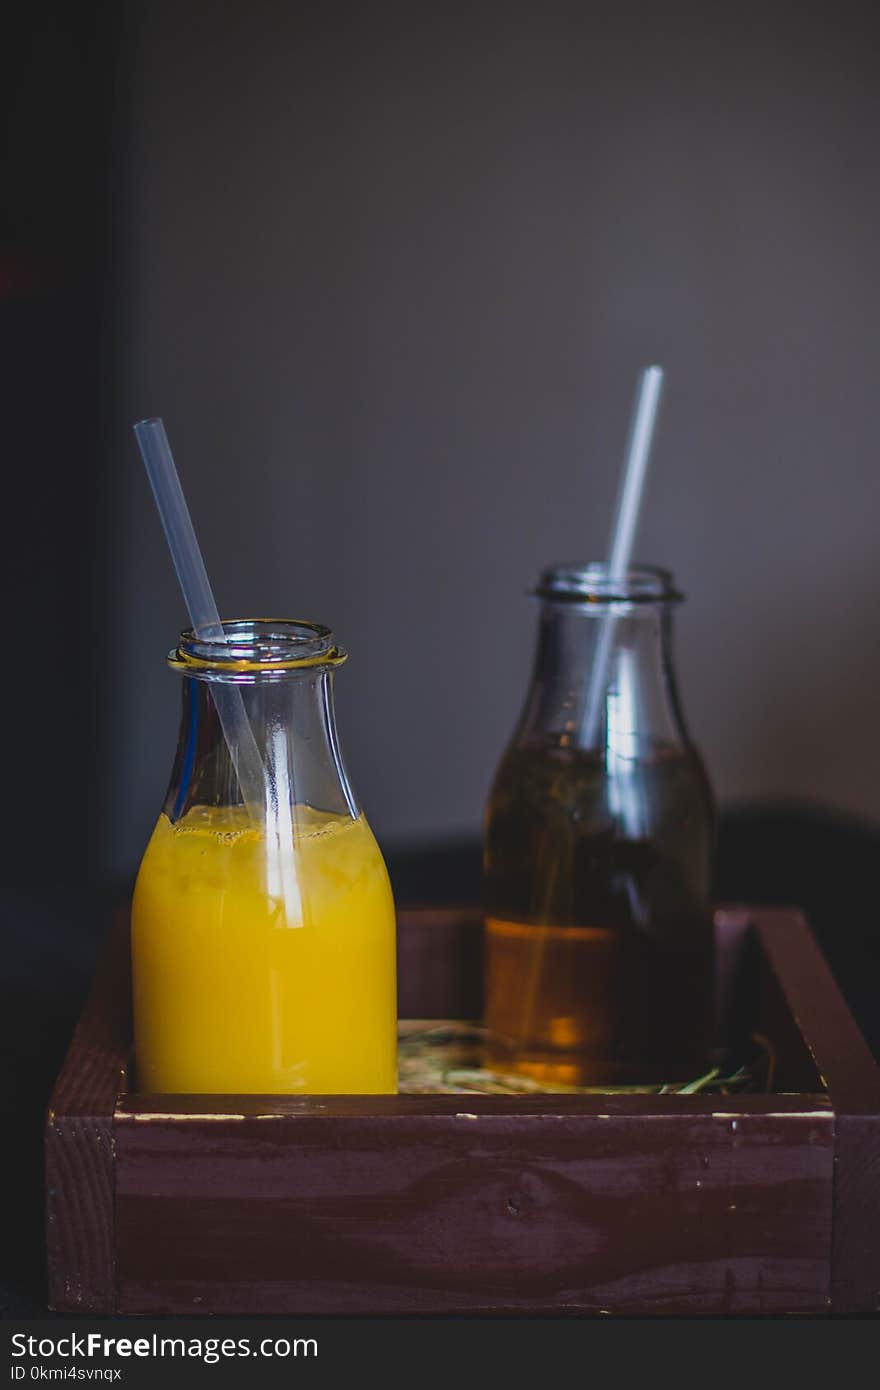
145	1107
842	1058
852	1077
475	1212
440	963
855	1259
80	1219
80	1159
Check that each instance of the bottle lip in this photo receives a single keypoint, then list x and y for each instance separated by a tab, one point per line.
593	584
256	648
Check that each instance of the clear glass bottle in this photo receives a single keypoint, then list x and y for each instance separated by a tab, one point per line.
263	938
598	849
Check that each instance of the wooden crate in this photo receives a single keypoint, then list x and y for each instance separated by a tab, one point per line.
480	1203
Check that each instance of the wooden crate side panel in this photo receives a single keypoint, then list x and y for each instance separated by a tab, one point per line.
735	1003
80	1217
793	1066
148	1108
707	1213
440	963
96	1065
852	1078
813	1001
79	1141
855	1263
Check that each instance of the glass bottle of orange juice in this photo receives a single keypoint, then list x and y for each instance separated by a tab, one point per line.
263	937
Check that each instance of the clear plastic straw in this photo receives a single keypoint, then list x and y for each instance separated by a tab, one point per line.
623	532
199	598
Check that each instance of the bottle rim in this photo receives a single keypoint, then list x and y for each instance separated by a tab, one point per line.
592	584
256	648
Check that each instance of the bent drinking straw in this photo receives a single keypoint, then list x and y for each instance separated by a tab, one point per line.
623	532
199	599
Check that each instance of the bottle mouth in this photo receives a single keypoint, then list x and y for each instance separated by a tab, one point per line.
593	584
255	648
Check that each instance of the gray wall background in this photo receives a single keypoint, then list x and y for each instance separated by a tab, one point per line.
389	273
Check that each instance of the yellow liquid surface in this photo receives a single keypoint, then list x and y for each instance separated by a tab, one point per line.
256	970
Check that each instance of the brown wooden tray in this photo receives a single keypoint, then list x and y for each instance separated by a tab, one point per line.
480	1203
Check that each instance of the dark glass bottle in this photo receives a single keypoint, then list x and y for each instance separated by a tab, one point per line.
598	849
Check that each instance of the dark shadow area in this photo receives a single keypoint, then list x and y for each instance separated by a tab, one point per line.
57	76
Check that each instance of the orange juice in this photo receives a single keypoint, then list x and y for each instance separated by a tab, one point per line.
245	983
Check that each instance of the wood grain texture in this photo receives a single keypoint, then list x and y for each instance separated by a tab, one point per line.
80	1144
440	963
146	1108
485	1210
855	1267
852	1078
842	1058
426	1204
80	1222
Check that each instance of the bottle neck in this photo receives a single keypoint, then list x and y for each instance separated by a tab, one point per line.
294	727
603	680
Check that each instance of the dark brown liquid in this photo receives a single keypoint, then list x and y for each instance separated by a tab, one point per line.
598	929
